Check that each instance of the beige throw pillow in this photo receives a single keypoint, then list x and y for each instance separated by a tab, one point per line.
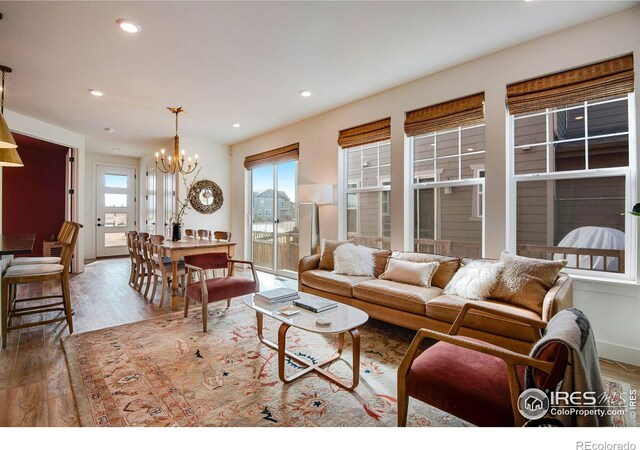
418	274
449	265
525	281
326	254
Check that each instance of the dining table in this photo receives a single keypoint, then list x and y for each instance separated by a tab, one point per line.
177	250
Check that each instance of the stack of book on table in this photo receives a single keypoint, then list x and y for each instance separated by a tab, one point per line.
315	304
279	295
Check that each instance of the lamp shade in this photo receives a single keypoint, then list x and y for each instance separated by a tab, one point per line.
6	139
320	194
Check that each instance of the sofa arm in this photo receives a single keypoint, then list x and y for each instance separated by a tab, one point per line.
310	262
559	297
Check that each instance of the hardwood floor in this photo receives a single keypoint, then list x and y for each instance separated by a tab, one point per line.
34	382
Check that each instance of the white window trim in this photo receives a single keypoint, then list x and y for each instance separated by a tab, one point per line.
478	193
630	174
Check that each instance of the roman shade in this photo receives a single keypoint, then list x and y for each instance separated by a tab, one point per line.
379	130
451	114
275	156
595	81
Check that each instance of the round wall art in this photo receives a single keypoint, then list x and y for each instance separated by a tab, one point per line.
206	197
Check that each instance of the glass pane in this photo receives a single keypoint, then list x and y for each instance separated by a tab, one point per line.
370	157
449	167
368	224
385	154
451	211
115	220
370	177
353	179
471	162
385	216
423	147
423	172
608	118
354	161
115	200
352	200
587	216
569	156
262	225
530	130
287	206
531	159
352	221
115	239
568	124
473	140
385	176
609	152
115	181
447	144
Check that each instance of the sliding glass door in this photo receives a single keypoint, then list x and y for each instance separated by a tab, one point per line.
274	217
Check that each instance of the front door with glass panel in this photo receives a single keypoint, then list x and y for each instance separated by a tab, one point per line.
116	187
274	217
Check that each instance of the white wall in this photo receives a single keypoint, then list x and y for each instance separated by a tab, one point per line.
613	308
42	130
92	160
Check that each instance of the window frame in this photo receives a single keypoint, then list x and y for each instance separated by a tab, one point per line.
629	172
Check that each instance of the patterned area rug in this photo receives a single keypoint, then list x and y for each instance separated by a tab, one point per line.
166	372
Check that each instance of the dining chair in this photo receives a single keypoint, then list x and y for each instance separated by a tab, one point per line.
204	234
65	229
189	232
207	290
143	268
131	239
162	268
39	273
222	235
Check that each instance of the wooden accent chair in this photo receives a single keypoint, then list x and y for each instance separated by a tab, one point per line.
161	267
222	235
472	379
39	273
189	232
131	239
204	234
207	290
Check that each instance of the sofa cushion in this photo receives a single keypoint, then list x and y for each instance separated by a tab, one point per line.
415	273
448	265
326	254
404	297
525	281
446	307
380	258
328	281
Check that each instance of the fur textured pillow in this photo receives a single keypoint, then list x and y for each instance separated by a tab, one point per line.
416	273
475	280
326	254
349	259
525	281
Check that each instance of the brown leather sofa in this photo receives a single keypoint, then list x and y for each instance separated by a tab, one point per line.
418	307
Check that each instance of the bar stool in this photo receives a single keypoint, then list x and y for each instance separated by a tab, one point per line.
38	273
64	230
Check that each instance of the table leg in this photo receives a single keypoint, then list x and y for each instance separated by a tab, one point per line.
175	298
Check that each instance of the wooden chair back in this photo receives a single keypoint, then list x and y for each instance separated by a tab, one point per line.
155	251
189	232
69	241
208	261
204	234
222	235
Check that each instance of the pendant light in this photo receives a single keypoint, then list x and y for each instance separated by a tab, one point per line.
8	154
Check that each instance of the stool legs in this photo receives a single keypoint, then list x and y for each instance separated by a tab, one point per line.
5	312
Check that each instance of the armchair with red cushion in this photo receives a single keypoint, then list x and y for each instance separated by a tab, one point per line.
207	290
474	380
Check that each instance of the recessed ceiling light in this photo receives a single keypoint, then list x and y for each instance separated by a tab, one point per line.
235	125
96	93
579	117
128	26
470	149
305	93
115	149
109	130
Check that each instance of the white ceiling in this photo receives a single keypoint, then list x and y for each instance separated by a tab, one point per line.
242	62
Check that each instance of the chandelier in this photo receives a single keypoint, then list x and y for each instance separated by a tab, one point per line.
176	163
8	149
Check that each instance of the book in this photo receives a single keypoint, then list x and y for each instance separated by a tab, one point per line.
315	304
279	295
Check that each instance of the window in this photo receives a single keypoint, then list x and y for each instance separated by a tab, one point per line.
448	186
571	175
368	175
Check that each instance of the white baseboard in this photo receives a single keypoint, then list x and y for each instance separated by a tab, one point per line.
620	353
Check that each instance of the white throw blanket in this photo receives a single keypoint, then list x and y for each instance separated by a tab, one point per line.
582	373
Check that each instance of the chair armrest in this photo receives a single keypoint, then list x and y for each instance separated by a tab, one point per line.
232	262
536	325
559	297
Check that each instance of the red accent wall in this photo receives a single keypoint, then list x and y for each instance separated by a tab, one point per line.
33	196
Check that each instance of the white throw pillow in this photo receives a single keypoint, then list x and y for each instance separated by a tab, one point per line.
416	273
349	259
475	280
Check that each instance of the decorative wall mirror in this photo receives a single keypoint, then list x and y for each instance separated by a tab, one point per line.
206	197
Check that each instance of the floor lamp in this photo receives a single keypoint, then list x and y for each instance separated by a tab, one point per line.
315	194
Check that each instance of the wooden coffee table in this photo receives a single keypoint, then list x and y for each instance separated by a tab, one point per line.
344	319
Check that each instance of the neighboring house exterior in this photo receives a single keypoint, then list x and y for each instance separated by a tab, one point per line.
263	206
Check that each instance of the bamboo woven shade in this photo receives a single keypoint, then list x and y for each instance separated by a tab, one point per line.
275	156
379	130
454	113
596	81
